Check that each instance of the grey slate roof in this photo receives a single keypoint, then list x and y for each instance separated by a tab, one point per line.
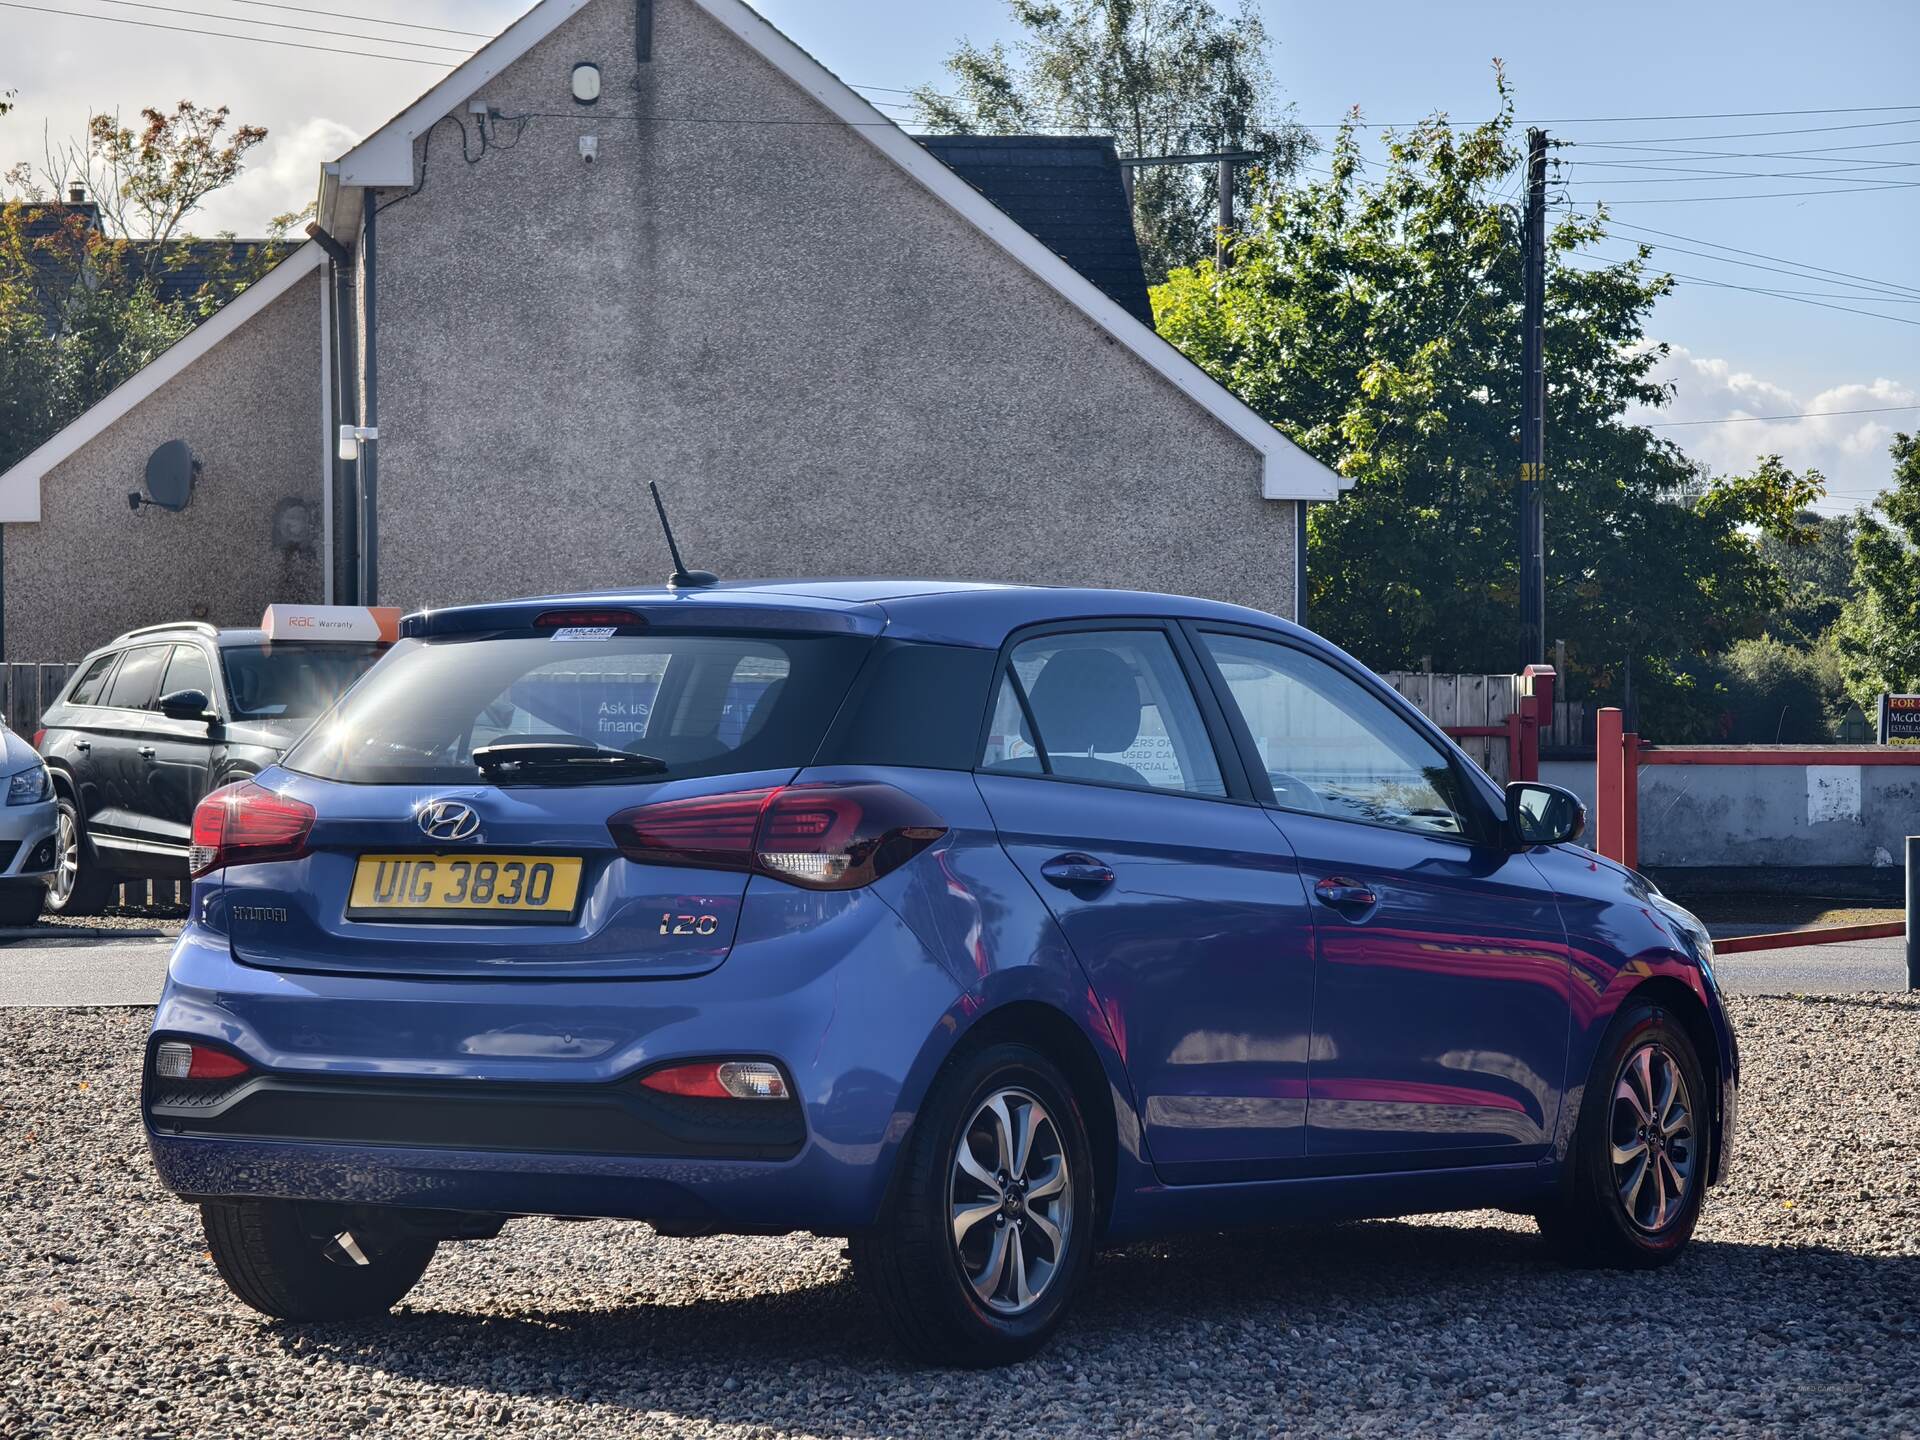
189	264
1066	191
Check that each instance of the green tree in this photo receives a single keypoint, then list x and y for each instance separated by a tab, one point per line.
1815	561
1375	317
1878	632
1780	694
80	302
1164	77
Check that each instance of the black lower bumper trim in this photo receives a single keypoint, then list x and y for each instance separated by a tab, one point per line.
624	1119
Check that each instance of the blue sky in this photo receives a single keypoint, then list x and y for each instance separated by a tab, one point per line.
1736	353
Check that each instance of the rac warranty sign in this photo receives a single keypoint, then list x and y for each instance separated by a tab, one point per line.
378	623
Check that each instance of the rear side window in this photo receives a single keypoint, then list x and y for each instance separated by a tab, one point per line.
137	681
1109	706
704	704
86	690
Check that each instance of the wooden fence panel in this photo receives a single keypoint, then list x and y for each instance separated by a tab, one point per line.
26	690
1467	701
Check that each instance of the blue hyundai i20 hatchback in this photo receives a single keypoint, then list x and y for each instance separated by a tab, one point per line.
983	925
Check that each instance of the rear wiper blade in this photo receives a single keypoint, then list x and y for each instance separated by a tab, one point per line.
550	760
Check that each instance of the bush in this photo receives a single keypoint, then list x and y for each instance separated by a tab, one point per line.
1780	694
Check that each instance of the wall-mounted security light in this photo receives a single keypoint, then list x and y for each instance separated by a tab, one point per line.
586	83
351	437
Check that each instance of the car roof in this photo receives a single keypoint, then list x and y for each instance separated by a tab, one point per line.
244	637
954	612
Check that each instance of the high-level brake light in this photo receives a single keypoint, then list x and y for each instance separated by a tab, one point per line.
830	836
245	823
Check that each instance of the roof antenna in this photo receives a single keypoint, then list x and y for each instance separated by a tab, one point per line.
681	578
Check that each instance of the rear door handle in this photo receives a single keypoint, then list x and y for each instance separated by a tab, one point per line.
146	752
1346	895
1074	870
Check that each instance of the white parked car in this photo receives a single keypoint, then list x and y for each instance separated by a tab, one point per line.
28	819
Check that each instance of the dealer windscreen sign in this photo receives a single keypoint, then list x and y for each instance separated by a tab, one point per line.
1900	719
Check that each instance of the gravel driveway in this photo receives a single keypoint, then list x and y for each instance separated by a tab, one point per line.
1797	1311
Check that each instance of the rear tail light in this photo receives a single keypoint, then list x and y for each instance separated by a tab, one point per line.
179	1060
38	736
821	837
245	823
721	1080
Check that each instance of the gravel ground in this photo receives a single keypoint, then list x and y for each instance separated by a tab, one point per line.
167	921
1797	1310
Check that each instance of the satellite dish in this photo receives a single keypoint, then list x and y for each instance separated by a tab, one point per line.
171	471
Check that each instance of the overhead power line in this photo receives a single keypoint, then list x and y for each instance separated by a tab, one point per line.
1868	292
1761	255
1690	177
1763	419
373	19
1816	153
1754	134
285	25
228	35
1760	290
1754	195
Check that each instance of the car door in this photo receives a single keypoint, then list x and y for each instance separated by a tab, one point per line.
1179	898
118	818
74	731
1441	1000
178	752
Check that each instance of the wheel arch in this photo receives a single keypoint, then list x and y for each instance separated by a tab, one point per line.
1672	995
1103	1099
1054	1034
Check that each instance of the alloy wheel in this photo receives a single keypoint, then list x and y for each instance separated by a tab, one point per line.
1652	1139
1011	1199
66	855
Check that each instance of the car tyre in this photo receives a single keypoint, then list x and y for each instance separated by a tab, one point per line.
1637	1172
79	885
979	1255
271	1259
20	904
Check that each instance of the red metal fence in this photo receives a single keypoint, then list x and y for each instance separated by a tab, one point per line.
1618	756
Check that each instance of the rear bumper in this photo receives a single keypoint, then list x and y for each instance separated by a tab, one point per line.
524	1090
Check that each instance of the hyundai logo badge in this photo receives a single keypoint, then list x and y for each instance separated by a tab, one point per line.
448	820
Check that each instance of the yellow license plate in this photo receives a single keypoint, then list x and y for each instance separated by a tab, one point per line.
430	887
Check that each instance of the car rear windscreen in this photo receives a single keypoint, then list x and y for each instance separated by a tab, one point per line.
701	704
292	680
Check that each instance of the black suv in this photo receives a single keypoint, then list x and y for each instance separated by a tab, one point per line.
152	722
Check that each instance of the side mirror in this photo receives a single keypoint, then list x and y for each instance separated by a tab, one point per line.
187	705
1544	814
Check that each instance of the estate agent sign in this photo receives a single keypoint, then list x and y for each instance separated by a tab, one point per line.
1900	719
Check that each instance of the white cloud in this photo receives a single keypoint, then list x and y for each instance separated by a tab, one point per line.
283	175
1850	450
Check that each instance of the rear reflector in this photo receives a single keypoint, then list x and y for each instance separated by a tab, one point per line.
834	836
178	1060
246	823
720	1080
